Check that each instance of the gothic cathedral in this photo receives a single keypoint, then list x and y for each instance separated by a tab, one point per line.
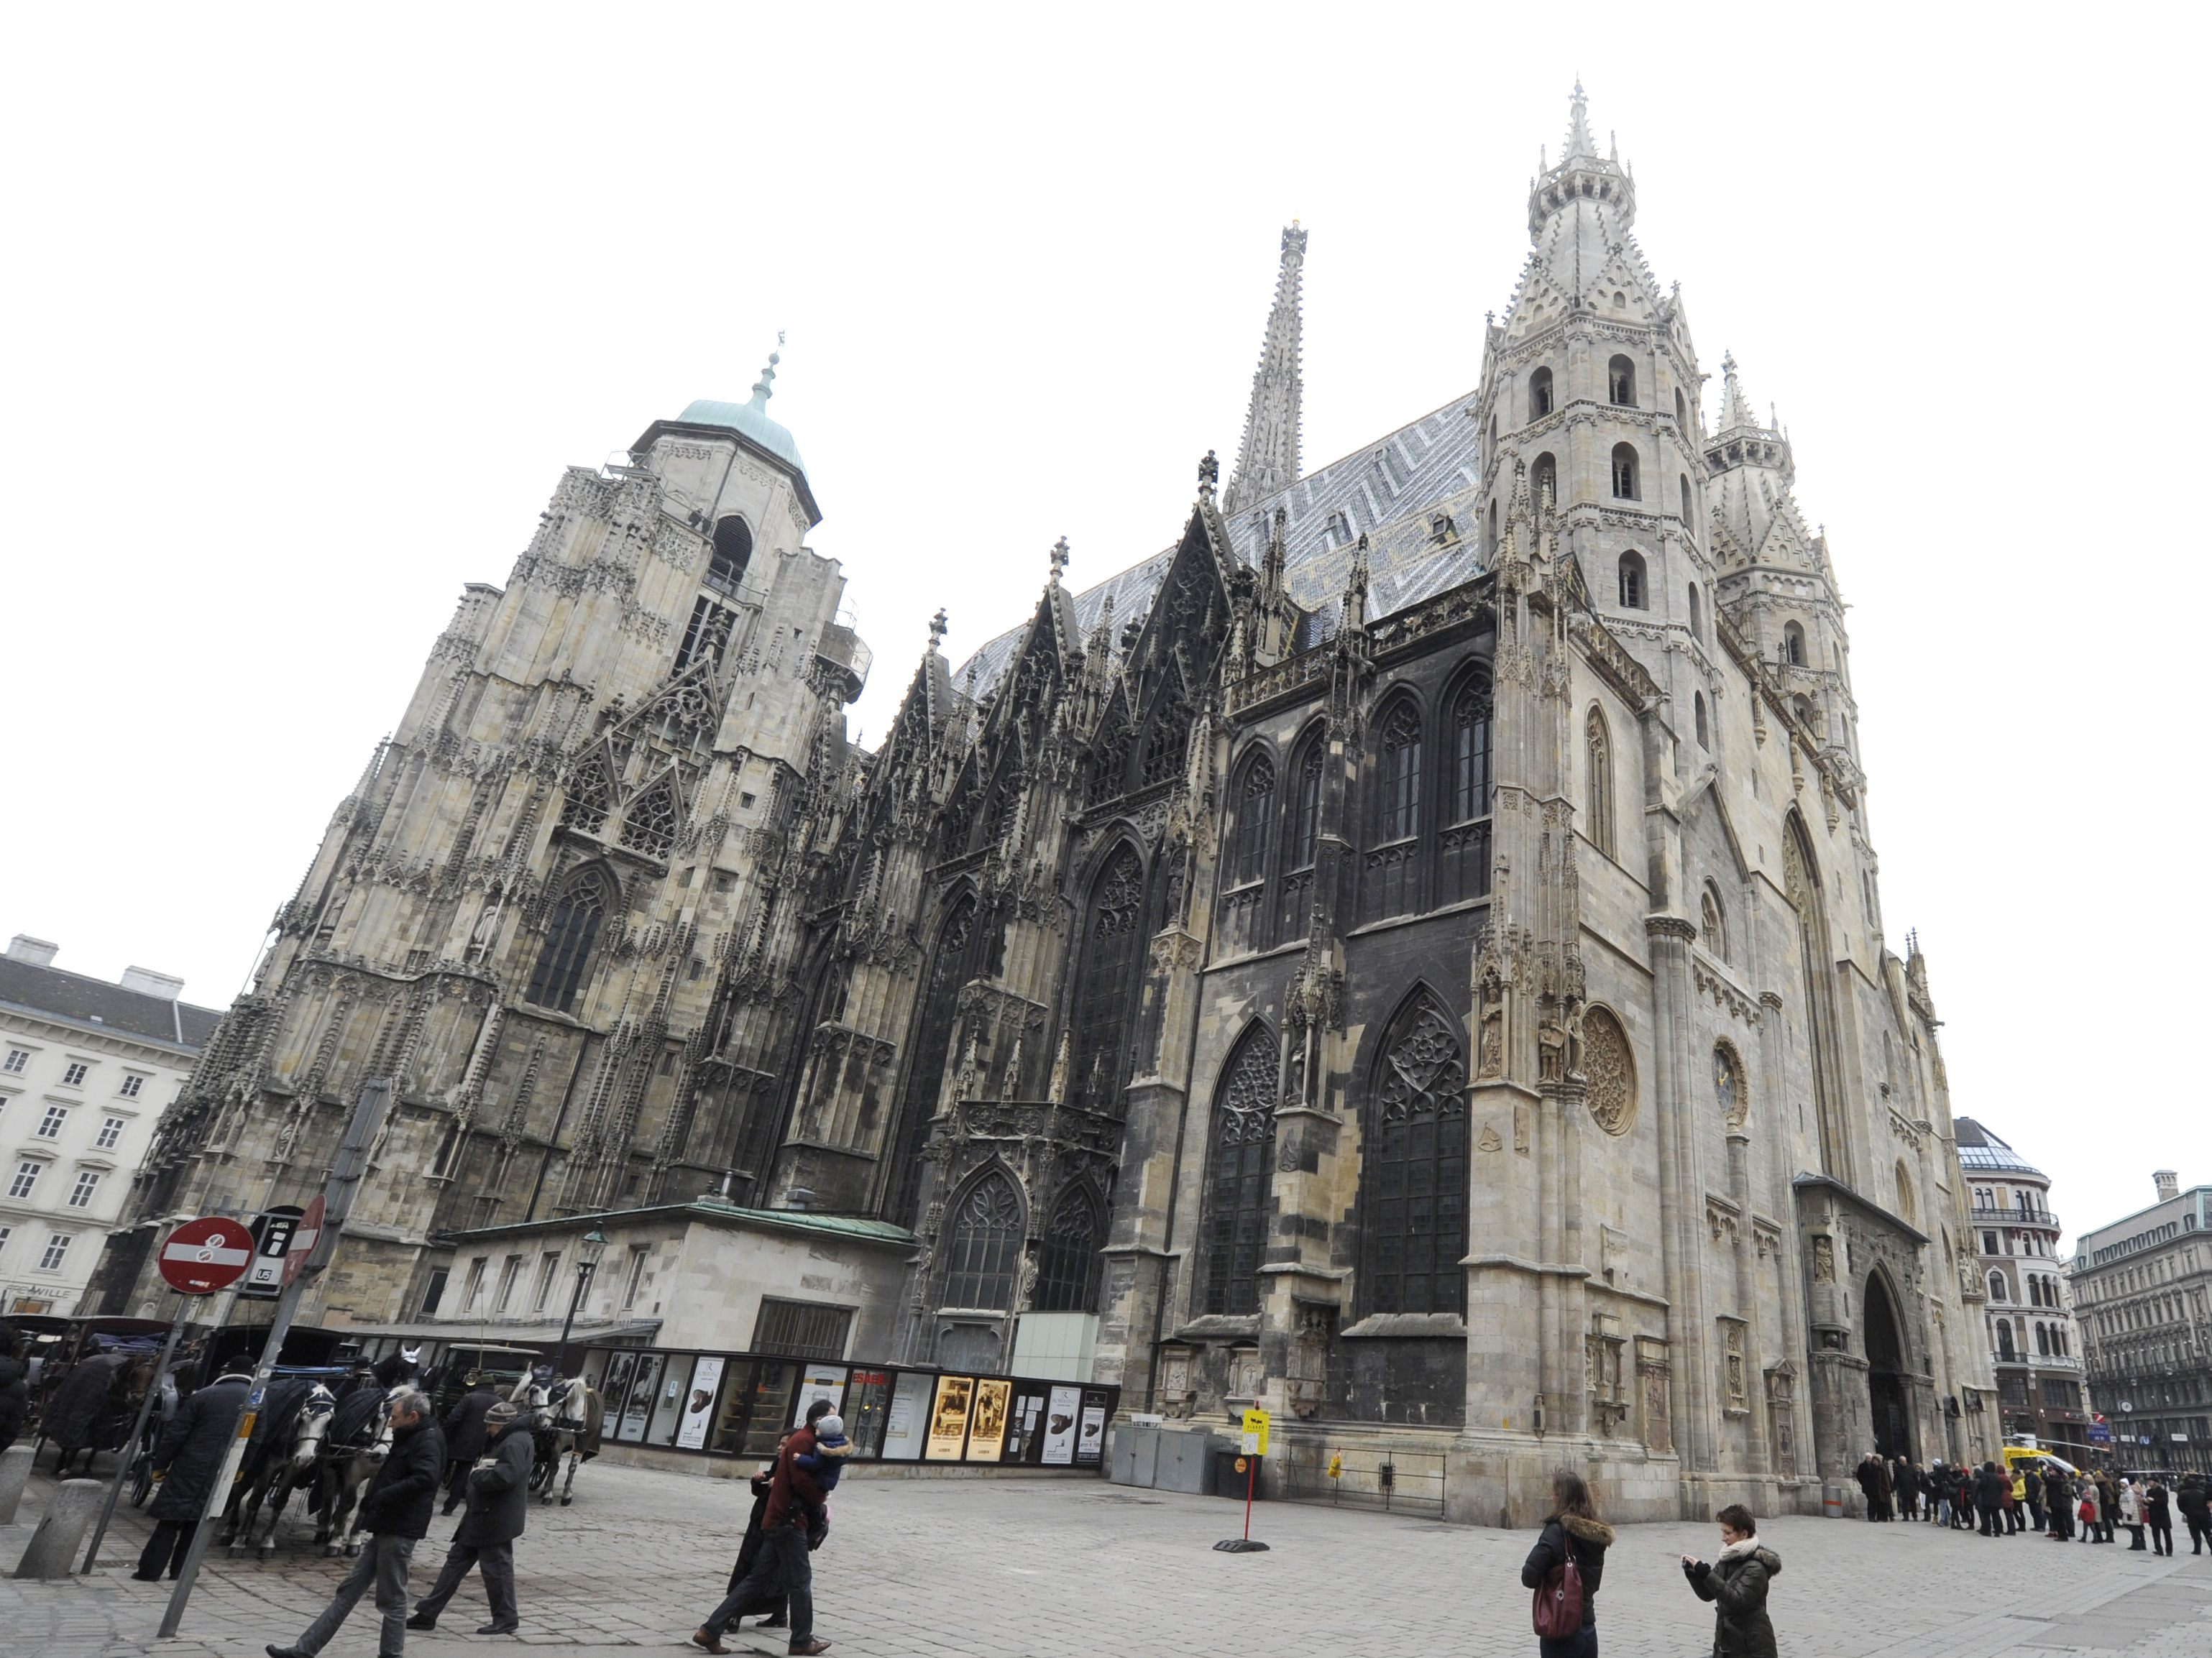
1408	954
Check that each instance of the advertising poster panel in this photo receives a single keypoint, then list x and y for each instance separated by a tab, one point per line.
1091	1442
820	1381
948	1417
1023	1436
615	1390
903	1422
1060	1424
640	1397
699	1408
987	1438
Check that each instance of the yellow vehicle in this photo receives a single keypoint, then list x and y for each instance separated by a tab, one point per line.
2018	1459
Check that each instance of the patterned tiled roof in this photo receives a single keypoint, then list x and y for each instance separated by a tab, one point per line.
1391	491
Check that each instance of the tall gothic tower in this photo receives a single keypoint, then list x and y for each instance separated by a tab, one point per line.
557	904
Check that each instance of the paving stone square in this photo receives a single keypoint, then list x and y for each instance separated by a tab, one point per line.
1013	1567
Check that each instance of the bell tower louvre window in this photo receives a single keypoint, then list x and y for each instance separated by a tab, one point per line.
733	553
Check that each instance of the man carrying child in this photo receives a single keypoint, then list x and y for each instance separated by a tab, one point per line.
796	1520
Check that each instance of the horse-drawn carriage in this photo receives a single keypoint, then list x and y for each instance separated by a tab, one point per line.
87	1376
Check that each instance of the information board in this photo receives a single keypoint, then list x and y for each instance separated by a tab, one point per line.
699	1409
948	1417
1062	1416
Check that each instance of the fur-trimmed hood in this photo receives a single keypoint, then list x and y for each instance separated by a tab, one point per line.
1594	1532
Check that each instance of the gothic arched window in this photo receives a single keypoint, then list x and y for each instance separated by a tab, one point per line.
1400	774
570	932
1539	394
1697	614
649	825
1633	594
2005	1350
1715	919
1997	1286
1107	982
1068	1264
1544	481
1109	763
1490	533
1412	1198
950	966
1624	471
1620	382
1305	810
1704	728
1793	644
1470	750
734	551
1256	814
1683	479
1236	1186
1598	745
986	1247
590	793
1166	738
1681	409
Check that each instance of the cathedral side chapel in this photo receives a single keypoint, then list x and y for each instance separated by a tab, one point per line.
1409	954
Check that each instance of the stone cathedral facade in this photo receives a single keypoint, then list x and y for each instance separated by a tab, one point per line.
1410	953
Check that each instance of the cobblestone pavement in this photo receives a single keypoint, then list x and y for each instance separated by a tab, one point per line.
1011	1567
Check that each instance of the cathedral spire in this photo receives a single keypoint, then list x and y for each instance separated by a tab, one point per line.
1268	460
1579	142
764	387
1735	408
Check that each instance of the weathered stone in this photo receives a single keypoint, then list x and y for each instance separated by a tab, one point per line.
69	1515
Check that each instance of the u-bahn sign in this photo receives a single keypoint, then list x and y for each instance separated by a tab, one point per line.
202	1256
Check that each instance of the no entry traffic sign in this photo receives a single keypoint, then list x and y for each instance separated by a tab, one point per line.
203	1256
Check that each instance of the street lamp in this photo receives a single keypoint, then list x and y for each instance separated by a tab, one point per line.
589	1248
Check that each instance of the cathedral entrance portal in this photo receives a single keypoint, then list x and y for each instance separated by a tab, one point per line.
1885	1353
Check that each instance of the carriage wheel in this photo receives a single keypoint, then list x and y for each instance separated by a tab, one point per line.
142	1483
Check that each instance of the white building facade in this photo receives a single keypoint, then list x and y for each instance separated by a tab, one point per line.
87	1068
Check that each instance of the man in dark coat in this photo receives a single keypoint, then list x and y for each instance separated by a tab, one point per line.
396	1511
1874	1480
1989	1489
2196	1505
2030	1485
1736	1585
465	1436
499	1503
187	1460
796	1512
15	1387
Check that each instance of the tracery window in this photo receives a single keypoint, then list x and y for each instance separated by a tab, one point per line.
986	1246
1236	1188
1401	774
1609	1071
950	967
570	932
1598	743
1305	810
1068	1264
590	793
649	825
1255	813
1464	846
1715	921
1413	1203
1109	766
1107	982
1167	737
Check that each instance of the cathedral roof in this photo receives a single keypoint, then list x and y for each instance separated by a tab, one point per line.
750	422
1392	490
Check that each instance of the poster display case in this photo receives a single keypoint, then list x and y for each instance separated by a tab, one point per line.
739	1405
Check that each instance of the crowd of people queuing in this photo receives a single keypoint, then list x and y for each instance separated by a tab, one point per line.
2046	1496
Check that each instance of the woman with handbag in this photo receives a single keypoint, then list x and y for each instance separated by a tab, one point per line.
1565	1569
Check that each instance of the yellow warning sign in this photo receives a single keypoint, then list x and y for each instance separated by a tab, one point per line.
1255	1433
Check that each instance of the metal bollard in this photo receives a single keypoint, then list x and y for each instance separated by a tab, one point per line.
15	1474
68	1517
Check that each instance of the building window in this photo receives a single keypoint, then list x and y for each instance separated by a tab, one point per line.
80	1195
1793	644
472	1291
1539	394
649	826
589	794
1107	982
1633	597
1715	917
1697	614
2005	1351
56	1252
569	935
1682	479
1624	471
950	968
1544	481
26	1176
1704	728
706	633
131	1084
1167	738
1681	409
802	1329
1620	382
1490	535
1997	1286
510	1271
1067	1264
1237	1175
1401	774
6	1232
549	1264
1471	753
74	1076
1989	1244
434	1293
634	1280
1305	809
1412	1200
1599	746
734	551
50	1126
110	1135
17	1059
986	1247
1255	811
1337	529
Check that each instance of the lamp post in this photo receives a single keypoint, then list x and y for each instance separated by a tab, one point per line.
589	1248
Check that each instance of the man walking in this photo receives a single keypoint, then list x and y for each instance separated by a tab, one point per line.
499	1501
794	1518
396	1512
465	1436
2195	1506
188	1458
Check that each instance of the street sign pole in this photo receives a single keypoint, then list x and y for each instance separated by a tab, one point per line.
1253	1445
346	1172
137	1434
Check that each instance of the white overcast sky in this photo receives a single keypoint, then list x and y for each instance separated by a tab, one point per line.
306	310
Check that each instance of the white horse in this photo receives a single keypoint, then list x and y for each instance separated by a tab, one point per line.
359	1439
273	1477
564	1426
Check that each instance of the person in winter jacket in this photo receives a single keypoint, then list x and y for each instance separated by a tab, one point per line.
1906	1480
2058	1498
1736	1583
186	1460
2090	1510
465	1436
1574	1530
2031	1492
15	1387
395	1510
2108	1506
1989	1491
2131	1514
793	1514
499	1504
2195	1503
2158	1513
770	1609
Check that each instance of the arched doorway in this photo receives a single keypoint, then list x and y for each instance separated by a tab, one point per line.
1885	1354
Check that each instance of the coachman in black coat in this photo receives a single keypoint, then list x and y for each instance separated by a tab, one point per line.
464	1437
189	1457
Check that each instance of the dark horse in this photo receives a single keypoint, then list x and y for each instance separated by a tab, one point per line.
90	1406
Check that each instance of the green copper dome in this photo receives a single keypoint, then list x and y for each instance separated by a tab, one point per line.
750	420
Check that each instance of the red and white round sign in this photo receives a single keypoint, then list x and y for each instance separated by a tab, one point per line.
203	1256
